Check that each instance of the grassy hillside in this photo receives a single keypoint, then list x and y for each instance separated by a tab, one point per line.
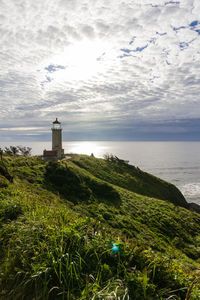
61	224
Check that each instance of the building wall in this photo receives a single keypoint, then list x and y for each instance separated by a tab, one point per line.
57	142
56	139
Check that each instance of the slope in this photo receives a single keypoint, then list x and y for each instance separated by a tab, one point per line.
59	222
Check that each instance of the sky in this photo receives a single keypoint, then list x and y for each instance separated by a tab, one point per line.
107	69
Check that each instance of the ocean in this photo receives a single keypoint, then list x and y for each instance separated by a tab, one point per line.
176	162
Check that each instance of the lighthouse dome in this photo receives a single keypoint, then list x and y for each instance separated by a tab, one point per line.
56	124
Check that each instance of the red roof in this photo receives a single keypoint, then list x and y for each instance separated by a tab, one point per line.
50	153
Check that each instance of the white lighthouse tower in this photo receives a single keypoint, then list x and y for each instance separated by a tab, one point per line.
57	139
57	152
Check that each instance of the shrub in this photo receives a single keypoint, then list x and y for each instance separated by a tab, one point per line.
3	182
67	182
9	210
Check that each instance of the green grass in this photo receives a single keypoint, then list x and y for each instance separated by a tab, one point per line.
130	177
59	221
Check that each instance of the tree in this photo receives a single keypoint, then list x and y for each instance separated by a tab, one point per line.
114	159
8	151
1	154
14	150
24	150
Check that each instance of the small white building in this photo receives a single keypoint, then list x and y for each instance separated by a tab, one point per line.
57	152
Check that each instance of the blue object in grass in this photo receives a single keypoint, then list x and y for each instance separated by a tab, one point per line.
115	248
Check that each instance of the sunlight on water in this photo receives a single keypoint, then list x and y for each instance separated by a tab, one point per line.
88	148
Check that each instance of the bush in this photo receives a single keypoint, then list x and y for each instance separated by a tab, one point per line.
77	187
3	182
67	182
9	210
103	190
5	172
15	150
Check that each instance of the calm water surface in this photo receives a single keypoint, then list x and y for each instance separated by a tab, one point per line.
176	162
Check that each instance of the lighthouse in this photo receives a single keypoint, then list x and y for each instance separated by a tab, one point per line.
57	138
57	152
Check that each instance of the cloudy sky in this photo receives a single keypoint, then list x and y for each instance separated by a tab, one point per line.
108	69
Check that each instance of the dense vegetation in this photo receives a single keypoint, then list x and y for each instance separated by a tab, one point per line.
88	228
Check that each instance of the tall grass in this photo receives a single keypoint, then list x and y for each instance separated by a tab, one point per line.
52	248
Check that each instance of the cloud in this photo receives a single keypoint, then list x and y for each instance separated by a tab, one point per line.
105	66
